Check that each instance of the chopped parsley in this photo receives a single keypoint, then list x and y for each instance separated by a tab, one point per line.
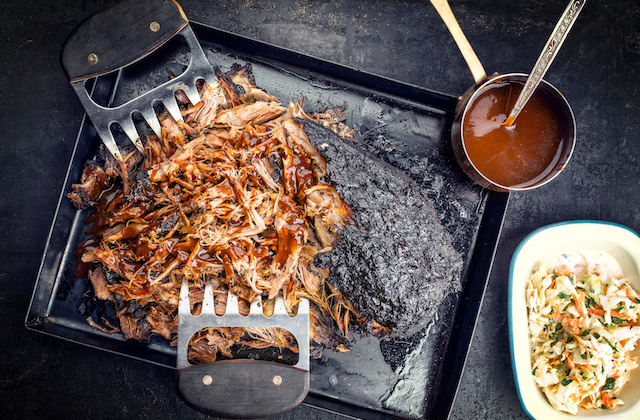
608	385
615	350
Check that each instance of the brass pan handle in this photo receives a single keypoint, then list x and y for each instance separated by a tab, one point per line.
476	68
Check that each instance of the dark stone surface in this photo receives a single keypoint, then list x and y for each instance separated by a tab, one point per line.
597	70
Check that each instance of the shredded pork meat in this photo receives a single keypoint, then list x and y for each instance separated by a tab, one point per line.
233	196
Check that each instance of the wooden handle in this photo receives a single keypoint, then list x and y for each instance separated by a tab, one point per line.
446	14
119	36
242	388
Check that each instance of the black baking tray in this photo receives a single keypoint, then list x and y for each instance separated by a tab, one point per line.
409	127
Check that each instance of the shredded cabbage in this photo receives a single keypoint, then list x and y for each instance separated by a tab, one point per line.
583	324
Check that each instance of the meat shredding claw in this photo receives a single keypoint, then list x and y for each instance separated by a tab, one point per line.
120	36
242	388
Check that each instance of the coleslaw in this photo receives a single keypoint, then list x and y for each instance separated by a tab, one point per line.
583	326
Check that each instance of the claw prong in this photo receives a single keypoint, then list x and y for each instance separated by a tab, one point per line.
208	303
232	305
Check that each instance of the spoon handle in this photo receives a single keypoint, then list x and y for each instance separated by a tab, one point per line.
446	14
549	52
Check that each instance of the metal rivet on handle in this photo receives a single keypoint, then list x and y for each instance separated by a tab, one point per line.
277	380
92	58
154	26
207	380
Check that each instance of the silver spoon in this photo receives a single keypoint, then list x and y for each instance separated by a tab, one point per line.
549	52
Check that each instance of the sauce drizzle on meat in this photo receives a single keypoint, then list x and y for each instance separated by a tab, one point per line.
238	201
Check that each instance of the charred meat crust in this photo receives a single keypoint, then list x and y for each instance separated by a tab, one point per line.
93	181
396	264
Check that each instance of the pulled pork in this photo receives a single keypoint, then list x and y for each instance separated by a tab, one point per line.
234	195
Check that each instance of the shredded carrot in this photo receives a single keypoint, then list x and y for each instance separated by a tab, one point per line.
571	322
579	299
601	312
606	399
567	357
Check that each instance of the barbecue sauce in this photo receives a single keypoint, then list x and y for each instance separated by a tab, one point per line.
81	269
515	155
291	226
279	244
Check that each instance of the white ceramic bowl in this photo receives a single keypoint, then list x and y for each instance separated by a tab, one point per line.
620	242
